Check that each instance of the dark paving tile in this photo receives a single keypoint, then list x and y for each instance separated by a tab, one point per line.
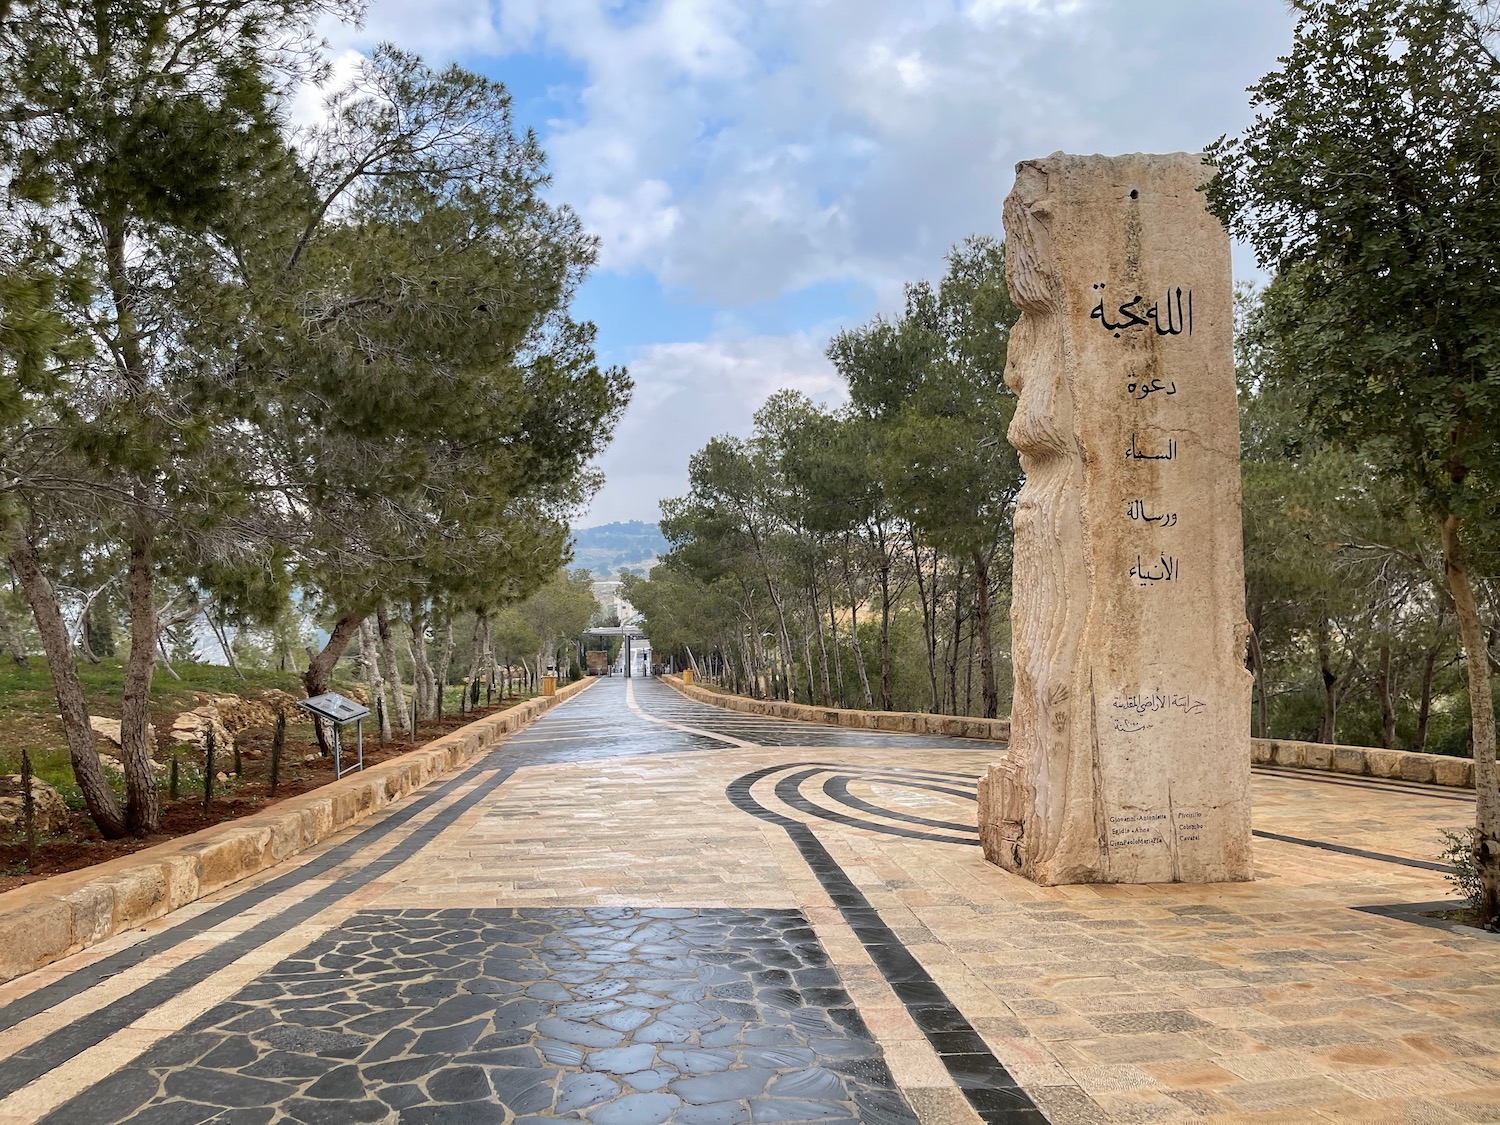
714	1016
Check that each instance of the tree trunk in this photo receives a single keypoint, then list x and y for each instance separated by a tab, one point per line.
1387	705
392	667
986	641
369	657
887	699
217	628
1482	707
445	658
166	661
841	697
1328	727
807	652
1262	702
817	615
859	656
929	624
11	639
955	647
319	675
71	707
1424	709
421	669
142	811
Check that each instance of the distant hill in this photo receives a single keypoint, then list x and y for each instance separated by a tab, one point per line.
612	547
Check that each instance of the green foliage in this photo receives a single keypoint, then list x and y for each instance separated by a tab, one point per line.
1463	865
1366	182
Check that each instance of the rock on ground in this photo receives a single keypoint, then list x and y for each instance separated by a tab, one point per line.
51	810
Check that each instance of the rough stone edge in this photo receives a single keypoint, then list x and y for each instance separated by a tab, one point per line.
899	722
1359	761
43	922
1365	761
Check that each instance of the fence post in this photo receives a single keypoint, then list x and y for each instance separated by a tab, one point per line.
277	742
28	810
208	768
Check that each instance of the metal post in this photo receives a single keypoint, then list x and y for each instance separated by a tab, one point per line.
627	656
359	734
338	746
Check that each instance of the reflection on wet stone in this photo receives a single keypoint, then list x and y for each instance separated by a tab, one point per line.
601	1014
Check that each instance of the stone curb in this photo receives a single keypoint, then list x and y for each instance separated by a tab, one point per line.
42	922
1361	761
898	722
1365	761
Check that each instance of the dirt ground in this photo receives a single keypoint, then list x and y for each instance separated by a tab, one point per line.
81	845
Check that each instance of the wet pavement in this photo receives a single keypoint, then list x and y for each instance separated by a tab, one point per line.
646	909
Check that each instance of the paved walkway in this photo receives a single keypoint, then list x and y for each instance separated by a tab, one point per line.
644	909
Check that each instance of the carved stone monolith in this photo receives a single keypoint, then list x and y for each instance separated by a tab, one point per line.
1129	759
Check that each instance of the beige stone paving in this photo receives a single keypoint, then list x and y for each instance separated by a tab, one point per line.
1264	1001
1268	1001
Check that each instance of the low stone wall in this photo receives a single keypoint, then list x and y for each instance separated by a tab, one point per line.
1362	761
1365	761
44	921
898	722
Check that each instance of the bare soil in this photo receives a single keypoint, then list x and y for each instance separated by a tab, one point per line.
80	844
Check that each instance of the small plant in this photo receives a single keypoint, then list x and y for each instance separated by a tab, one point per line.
1463	873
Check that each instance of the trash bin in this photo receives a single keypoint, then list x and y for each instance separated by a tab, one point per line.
687	676
549	685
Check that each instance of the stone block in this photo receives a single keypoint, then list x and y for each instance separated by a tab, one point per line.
1317	756
1458	772
93	907
1383	763
1417	767
35	934
139	894
1287	753
1350	759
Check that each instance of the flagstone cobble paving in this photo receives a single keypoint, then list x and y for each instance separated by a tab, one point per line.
644	908
613	1014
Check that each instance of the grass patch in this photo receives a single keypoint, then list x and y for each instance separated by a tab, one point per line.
28	708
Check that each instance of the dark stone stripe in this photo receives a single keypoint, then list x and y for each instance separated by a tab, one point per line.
996	1096
789	790
54	1049
1380	857
837	788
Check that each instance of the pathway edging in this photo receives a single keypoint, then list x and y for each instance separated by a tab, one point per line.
894	722
42	922
1357	761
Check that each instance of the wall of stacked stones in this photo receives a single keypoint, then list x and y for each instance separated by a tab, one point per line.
1359	761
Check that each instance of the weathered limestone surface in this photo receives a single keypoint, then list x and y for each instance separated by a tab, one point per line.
1130	756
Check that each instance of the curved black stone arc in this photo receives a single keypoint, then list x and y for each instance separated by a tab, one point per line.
789	791
837	788
995	1095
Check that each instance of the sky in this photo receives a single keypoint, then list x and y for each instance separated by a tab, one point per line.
762	173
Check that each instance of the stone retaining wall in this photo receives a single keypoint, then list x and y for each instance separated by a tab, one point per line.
898	722
44	921
1364	761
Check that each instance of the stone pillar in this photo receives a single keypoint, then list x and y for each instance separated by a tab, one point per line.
1129	759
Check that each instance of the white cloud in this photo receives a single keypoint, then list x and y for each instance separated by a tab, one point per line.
687	393
741	150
